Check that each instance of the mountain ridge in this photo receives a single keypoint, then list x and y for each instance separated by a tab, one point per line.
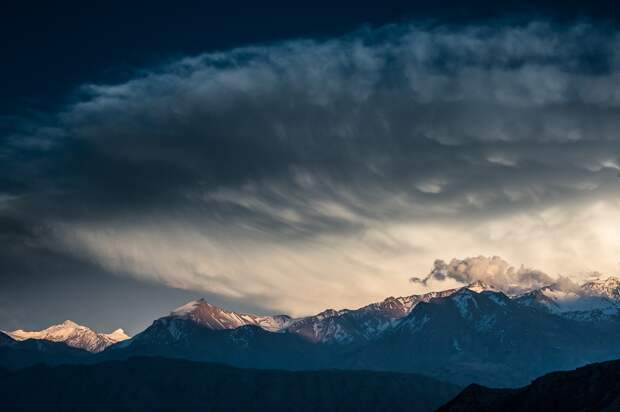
74	335
471	334
594	387
214	317
475	333
601	298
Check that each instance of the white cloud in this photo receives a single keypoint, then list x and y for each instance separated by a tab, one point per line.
302	277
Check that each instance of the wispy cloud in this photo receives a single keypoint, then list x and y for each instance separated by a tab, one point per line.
342	165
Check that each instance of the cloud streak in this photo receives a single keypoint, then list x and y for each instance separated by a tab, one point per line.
351	161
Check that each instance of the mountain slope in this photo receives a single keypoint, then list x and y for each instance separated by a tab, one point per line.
213	317
152	384
585	303
204	332
5	339
247	346
606	287
487	338
345	326
20	354
594	387
359	325
74	335
599	298
472	334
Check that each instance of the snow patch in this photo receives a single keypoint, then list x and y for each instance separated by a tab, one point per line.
188	308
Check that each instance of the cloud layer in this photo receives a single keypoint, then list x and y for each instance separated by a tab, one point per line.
337	167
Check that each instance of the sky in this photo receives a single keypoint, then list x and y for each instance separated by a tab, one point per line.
281	159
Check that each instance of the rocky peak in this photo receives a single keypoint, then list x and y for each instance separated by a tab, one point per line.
214	317
607	287
73	334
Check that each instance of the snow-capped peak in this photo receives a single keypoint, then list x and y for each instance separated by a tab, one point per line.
608	287
579	303
213	317
371	320
189	307
117	336
74	335
480	286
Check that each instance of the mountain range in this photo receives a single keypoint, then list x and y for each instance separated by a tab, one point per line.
74	335
476	333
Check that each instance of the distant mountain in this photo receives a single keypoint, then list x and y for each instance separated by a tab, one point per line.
247	346
152	384
19	354
204	332
487	338
471	334
359	325
594	387
330	326
595	299
74	335
213	317
592	301
605	287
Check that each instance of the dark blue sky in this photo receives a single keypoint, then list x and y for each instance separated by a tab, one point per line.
304	161
49	48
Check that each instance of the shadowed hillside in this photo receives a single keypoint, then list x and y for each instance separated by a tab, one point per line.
156	384
594	387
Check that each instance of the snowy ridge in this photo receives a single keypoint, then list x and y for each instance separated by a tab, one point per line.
213	317
367	322
363	324
596	299
330	326
608	287
480	286
593	300
117	336
74	335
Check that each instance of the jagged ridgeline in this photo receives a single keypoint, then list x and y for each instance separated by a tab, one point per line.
471	334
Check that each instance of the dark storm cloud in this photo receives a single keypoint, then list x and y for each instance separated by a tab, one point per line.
296	141
464	117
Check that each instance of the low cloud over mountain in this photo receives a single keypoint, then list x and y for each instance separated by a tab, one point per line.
494	271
